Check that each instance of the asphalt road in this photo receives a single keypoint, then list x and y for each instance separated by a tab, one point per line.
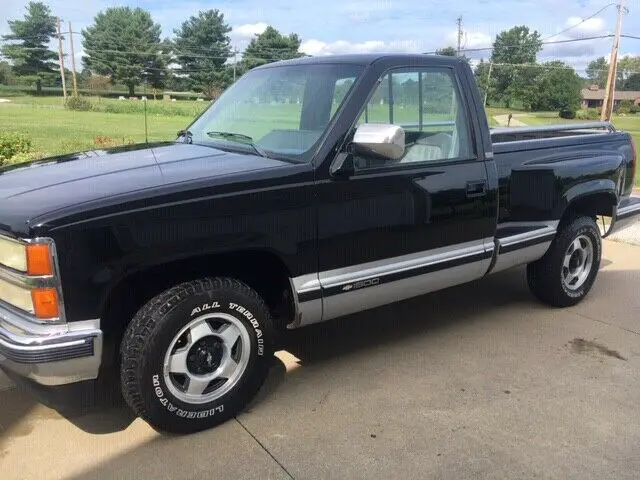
478	381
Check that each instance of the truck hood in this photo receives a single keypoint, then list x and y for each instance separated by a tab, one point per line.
49	184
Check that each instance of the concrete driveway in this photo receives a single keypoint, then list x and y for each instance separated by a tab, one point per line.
478	381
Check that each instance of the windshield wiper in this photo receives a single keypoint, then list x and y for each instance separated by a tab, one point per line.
240	138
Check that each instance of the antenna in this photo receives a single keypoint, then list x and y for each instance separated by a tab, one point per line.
459	33
146	136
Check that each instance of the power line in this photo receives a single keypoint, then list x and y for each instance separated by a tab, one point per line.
580	23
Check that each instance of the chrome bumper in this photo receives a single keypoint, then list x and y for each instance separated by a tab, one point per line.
54	354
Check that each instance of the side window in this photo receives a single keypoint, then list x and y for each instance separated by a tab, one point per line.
341	88
427	105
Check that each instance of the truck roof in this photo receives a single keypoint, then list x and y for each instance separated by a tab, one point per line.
367	59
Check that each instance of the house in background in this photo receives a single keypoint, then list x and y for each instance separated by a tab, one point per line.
593	97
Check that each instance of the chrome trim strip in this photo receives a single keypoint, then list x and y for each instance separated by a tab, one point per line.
545	223
385	294
306	283
22	280
399	264
520	256
527	236
314	286
38	347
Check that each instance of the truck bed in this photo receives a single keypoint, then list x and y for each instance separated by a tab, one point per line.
539	167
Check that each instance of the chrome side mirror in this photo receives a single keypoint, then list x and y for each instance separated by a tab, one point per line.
380	138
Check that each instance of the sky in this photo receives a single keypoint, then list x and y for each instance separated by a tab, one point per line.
354	26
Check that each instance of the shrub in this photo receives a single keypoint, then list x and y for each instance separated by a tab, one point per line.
634	109
625	106
568	113
588	114
81	104
25	157
12	144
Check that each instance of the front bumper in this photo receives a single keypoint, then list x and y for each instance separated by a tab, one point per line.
56	354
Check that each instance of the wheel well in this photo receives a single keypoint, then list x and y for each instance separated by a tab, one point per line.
592	205
262	271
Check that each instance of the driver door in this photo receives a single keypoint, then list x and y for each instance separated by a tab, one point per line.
400	228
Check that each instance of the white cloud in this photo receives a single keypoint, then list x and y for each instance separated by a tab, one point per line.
365	10
579	29
249	30
243	34
591	27
470	39
318	47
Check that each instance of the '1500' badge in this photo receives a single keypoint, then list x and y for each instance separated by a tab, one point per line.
362	284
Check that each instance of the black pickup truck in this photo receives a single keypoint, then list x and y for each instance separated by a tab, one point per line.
311	189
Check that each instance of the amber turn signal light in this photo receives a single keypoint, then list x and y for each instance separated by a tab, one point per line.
39	260
45	303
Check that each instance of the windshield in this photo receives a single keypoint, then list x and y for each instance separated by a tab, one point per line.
279	112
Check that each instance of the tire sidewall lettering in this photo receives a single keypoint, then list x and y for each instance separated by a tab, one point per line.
171	408
255	324
202	307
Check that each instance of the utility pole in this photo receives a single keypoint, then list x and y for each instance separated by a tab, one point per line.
609	93
61	59
486	92
235	61
459	22
73	63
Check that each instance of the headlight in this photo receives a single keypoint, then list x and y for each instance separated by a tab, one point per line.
13	254
16	296
34	259
28	279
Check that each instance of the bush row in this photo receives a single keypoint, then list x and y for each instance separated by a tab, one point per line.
154	107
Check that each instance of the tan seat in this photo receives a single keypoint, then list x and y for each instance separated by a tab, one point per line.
431	148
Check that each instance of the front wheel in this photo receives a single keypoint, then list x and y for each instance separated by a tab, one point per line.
568	270
196	354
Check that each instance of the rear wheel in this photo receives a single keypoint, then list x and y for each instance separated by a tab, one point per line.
568	270
196	354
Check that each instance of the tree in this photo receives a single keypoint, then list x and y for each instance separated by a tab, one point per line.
155	69
633	83
31	57
558	87
202	46
6	73
124	44
451	52
447	52
597	71
511	49
271	46
627	66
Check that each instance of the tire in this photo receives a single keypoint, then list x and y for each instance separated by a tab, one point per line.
559	285
180	339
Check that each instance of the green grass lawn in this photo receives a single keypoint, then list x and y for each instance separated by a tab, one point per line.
56	130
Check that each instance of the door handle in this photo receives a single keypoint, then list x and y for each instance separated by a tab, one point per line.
476	189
